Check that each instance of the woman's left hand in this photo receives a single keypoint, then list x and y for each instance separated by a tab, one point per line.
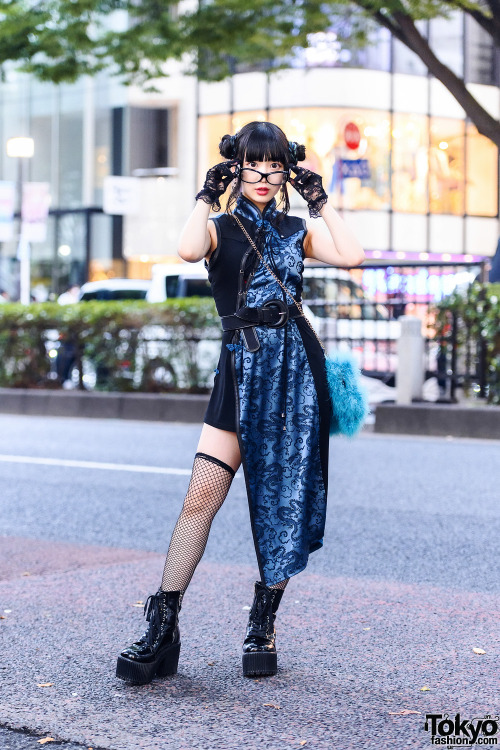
310	186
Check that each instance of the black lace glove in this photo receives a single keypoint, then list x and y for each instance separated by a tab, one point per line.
309	185
216	182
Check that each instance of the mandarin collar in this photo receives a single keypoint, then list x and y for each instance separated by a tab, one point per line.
246	208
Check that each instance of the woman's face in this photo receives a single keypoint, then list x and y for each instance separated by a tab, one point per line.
261	192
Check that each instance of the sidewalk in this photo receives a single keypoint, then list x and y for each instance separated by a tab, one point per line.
360	661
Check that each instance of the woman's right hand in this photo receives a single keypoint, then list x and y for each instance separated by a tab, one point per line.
216	182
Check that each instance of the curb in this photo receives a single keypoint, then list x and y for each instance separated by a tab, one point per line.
439	420
165	407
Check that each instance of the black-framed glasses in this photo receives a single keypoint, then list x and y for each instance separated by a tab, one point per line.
273	178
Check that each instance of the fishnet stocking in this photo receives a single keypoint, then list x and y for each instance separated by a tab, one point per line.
280	585
208	487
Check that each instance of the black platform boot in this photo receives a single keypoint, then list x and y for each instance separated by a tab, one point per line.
259	646
157	651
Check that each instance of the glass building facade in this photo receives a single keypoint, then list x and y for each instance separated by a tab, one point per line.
431	183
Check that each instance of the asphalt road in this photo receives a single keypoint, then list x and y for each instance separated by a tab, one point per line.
377	632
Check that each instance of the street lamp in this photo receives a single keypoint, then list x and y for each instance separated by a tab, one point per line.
22	148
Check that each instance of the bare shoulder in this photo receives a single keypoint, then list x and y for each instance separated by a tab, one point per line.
317	234
213	238
307	237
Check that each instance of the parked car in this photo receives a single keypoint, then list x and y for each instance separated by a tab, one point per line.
62	353
114	289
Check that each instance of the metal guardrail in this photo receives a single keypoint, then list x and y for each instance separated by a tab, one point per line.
360	312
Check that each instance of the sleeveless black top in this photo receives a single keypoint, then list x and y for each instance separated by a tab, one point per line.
234	257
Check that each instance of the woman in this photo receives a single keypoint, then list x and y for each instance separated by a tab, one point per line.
269	408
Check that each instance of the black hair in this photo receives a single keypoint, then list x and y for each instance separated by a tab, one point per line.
261	141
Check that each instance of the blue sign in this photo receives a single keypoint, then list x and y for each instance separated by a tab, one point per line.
355	168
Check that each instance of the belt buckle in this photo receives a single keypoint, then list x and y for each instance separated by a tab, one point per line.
284	312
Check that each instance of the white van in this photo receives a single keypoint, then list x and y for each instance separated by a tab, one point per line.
332	301
178	280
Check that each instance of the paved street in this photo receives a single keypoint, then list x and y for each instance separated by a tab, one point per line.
377	632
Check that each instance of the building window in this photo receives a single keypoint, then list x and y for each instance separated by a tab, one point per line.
446	36
404	59
148	138
482	174
479	55
428	159
410	163
325	50
70	139
322	130
446	166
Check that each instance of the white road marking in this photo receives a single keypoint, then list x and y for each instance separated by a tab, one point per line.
93	465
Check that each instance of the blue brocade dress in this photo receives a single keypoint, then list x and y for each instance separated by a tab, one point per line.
276	398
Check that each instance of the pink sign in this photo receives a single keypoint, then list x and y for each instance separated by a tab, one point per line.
35	210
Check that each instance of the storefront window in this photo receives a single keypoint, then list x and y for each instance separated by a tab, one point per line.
482	174
409	163
322	130
423	178
446	166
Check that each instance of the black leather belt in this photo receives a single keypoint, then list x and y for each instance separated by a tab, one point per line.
273	313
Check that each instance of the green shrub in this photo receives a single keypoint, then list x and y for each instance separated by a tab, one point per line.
477	314
112	338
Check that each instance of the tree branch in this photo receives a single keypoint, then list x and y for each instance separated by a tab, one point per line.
485	123
490	25
384	20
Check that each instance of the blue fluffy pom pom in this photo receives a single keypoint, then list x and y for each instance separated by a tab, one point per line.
349	399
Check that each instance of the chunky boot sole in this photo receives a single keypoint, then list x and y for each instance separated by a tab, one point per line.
259	662
141	673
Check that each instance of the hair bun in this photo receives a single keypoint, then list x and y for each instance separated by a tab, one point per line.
227	146
296	151
301	152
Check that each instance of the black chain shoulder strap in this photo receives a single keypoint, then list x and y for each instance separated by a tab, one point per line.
298	304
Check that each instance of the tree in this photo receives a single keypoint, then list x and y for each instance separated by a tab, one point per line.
61	40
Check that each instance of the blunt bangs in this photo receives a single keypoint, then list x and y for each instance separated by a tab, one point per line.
264	145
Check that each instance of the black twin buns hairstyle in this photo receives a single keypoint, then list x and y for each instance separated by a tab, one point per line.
259	141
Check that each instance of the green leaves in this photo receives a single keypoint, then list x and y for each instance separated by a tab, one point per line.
112	338
61	40
477	315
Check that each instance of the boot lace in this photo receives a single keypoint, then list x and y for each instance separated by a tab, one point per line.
260	615
152	610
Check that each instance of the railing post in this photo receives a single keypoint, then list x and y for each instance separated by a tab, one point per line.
410	367
453	342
